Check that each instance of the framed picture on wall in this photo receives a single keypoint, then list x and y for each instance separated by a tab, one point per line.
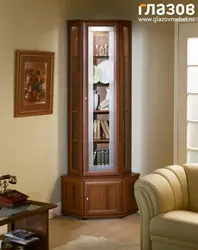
34	83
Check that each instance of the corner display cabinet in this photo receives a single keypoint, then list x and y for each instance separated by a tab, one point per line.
99	181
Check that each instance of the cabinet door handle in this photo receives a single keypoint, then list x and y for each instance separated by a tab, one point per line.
87	198
85	98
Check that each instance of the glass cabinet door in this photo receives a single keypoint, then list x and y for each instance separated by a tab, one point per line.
126	100
101	98
74	101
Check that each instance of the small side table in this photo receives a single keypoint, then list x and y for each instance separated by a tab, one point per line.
34	217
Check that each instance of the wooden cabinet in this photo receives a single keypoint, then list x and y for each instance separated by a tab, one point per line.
99	181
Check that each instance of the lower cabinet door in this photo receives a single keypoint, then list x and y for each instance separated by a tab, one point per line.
102	198
72	196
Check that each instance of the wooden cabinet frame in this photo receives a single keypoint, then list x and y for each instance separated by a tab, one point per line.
117	182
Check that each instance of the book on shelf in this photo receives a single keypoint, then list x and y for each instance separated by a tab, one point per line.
94	156
96	129
106	156
106	123
100	126
98	156
101	156
105	128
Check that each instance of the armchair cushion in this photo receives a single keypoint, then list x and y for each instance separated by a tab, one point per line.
175	227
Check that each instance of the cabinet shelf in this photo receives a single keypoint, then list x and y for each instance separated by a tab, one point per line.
100	166
101	111
101	57
101	84
101	141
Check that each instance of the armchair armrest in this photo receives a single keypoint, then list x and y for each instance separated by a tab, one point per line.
161	191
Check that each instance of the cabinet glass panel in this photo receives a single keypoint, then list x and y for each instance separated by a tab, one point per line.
101	85
74	66
74	95
126	100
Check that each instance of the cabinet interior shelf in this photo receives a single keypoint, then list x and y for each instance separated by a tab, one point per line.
101	165
101	111
101	57
101	141
101	84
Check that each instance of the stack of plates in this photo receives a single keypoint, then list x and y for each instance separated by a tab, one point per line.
97	74
102	72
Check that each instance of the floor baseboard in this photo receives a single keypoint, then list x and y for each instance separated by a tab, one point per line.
56	211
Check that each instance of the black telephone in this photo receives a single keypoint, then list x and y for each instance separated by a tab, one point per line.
8	197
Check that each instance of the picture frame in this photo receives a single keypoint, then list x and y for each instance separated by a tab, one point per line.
34	83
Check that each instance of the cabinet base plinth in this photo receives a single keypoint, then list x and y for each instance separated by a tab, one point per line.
111	197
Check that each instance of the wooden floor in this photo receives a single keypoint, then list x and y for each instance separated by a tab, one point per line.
65	229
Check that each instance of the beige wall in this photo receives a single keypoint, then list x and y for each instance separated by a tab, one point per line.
153	86
34	148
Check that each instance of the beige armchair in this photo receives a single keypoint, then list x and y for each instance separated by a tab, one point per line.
168	203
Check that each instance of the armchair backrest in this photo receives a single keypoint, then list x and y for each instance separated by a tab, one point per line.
177	181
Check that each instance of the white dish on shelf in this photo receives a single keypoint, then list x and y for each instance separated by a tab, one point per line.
106	68
97	74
